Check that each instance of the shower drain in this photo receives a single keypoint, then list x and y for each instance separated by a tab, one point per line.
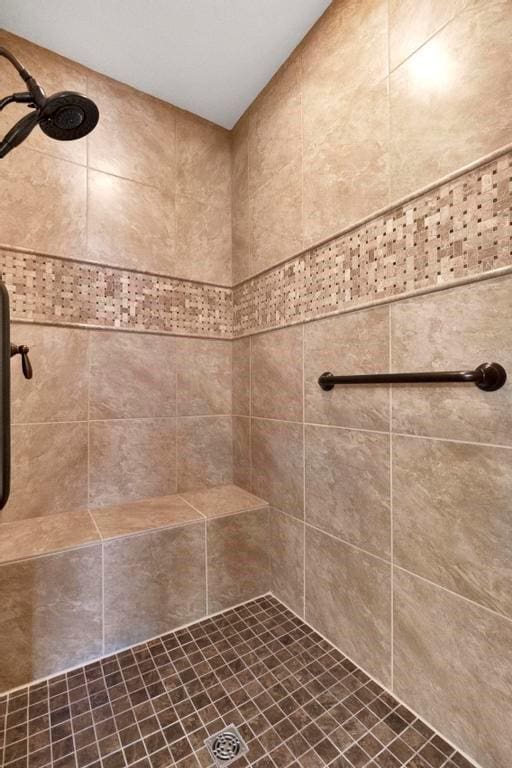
226	746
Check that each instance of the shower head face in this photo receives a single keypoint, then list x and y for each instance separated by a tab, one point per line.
68	115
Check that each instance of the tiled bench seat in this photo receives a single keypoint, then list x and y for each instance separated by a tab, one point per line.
77	586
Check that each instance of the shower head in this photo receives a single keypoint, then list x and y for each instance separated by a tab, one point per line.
68	115
65	116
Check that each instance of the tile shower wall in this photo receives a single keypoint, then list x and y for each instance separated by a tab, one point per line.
149	189
390	527
112	417
379	100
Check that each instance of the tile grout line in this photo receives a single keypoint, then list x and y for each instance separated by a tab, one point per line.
303	471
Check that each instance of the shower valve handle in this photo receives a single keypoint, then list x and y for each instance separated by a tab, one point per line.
26	365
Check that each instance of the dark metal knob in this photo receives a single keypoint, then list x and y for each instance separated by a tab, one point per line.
26	365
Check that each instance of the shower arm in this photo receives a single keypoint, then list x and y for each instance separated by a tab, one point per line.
35	96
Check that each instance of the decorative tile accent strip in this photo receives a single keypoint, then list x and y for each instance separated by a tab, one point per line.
460	229
52	290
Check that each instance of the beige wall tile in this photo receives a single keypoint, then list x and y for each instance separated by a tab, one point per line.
55	74
451	517
242	451
42	535
346	165
238	560
241	350
131	459
132	375
455	673
51	615
43	203
240	199
348	599
455	329
204	375
49	470
154	582
276	218
130	225
353	343
58	390
276	374
223	500
275	126
203	160
348	486
277	464
203	241
205	452
449	100
138	516
345	53
412	24
136	135
287	560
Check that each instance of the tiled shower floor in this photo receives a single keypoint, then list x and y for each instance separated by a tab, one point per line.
296	700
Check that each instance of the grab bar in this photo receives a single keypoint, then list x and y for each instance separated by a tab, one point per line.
488	376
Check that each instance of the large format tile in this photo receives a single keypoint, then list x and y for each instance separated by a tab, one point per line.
275	126
51	615
55	73
456	673
203	241
276	218
153	583
449	102
277	464
131	459
348	486
48	193
136	135
287	560
357	342
451	517
238	559
345	53
348	599
454	329
203	160
203	376
412	24
132	375
223	500
41	535
137	516
205	452
346	165
49	470
241	369
242	451
130	225
276	374
240	199
58	391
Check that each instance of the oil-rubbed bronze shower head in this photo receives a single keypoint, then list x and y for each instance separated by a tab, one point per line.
65	116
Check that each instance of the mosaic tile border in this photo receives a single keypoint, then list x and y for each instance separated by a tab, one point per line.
456	231
297	701
49	289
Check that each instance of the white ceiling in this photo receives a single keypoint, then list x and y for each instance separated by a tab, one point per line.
211	57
